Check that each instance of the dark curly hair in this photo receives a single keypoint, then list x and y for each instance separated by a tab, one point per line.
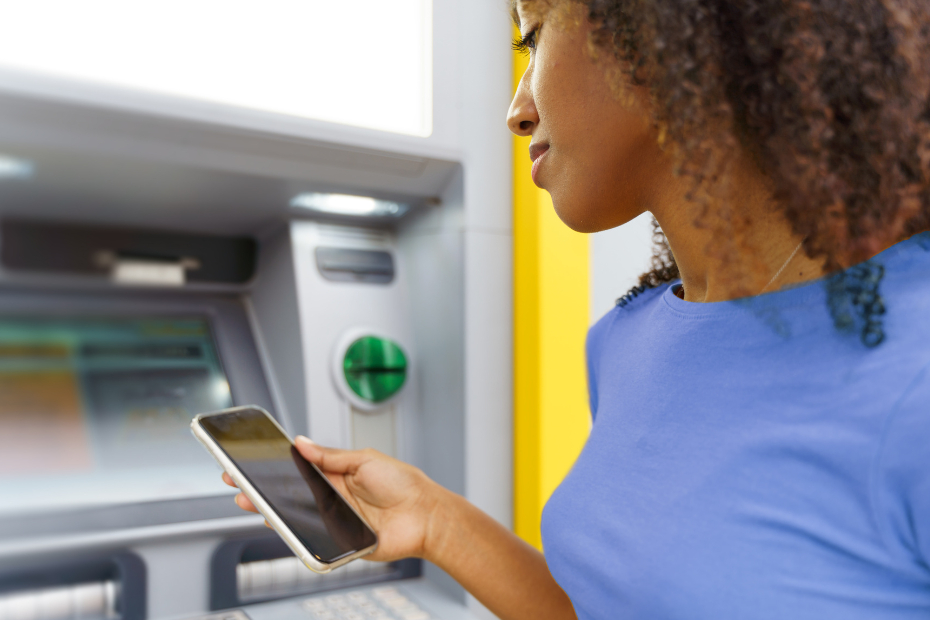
829	97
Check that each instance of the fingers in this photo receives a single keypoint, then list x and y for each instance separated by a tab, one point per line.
332	460
228	480
245	503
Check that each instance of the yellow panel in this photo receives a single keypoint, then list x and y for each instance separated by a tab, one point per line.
564	316
551	418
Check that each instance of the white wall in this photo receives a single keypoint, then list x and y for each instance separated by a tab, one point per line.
618	257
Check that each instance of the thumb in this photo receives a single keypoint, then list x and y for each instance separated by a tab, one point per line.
331	460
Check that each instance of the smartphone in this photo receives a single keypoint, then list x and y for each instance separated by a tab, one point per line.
316	522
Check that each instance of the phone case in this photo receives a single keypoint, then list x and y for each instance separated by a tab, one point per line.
264	507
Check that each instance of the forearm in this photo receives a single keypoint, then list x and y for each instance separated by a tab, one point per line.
507	575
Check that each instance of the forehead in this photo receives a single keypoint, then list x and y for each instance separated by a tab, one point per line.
524	8
533	9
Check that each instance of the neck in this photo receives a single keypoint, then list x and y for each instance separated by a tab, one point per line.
717	264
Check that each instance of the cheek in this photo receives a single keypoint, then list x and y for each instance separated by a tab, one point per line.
606	170
590	116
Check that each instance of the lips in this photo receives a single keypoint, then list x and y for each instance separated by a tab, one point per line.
537	149
537	154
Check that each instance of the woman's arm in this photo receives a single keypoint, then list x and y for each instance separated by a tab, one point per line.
507	575
415	517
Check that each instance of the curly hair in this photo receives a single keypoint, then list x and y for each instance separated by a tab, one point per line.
829	98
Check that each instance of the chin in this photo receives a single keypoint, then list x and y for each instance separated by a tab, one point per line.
580	224
573	214
588	217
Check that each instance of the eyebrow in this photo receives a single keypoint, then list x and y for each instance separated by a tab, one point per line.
513	13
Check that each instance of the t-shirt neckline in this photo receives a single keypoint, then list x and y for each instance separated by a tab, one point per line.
801	294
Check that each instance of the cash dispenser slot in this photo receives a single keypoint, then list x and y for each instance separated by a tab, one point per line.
126	255
101	588
257	569
86	600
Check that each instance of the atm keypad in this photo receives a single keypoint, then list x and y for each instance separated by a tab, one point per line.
378	604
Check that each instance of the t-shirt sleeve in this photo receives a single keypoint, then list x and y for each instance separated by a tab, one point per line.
594	346
903	474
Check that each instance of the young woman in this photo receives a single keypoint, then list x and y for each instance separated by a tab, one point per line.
761	402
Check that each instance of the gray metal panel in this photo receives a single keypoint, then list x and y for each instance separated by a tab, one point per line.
433	245
434	252
122	168
108	518
487	87
489	374
13	552
129	189
178	576
274	302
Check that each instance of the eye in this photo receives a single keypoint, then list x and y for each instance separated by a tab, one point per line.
527	43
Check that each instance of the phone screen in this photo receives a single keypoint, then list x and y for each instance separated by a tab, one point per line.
294	488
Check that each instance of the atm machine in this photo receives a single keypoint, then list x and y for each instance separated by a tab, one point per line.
153	266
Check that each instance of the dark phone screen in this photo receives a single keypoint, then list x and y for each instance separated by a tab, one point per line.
297	492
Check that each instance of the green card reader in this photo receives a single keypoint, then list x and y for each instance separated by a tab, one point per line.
375	368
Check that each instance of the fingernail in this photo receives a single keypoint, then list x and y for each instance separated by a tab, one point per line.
301	438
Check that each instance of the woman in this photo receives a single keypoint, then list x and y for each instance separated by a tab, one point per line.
761	437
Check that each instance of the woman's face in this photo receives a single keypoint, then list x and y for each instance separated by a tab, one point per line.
594	149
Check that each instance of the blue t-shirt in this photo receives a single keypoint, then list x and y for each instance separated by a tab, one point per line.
749	460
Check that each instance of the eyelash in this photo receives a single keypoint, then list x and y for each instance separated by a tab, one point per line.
525	44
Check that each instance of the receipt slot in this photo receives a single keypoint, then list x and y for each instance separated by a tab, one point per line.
370	372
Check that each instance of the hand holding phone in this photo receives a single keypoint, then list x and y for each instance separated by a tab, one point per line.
400	502
319	526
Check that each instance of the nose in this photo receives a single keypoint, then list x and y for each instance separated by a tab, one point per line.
522	117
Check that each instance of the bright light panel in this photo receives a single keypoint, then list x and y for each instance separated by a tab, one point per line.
366	63
15	168
345	204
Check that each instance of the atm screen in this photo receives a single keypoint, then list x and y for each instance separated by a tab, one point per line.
97	410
